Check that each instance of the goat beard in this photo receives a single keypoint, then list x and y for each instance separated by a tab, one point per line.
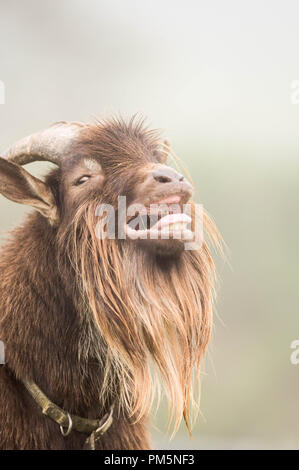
153	317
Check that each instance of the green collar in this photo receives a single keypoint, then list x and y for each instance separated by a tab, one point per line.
94	427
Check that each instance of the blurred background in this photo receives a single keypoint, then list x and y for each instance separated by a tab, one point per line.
217	76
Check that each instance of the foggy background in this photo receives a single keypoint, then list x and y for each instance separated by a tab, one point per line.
217	77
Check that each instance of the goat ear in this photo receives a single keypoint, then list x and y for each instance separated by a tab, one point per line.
20	186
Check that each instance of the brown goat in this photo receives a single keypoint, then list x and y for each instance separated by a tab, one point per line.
97	323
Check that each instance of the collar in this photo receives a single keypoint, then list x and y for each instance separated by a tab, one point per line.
95	428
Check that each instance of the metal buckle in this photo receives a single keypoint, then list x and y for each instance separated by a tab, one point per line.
70	426
104	425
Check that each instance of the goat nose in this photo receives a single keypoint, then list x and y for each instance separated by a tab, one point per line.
167	175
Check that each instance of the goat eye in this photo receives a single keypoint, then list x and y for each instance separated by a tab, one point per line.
82	180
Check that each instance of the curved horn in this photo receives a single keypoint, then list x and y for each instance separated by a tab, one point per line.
48	145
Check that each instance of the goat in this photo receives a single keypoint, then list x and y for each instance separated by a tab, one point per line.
92	325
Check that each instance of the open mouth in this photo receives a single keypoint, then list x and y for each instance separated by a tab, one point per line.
162	219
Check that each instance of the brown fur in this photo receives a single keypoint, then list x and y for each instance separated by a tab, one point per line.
99	321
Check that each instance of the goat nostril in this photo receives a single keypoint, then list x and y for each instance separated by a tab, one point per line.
163	179
167	175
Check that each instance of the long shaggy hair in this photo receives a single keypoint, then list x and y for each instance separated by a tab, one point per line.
155	318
